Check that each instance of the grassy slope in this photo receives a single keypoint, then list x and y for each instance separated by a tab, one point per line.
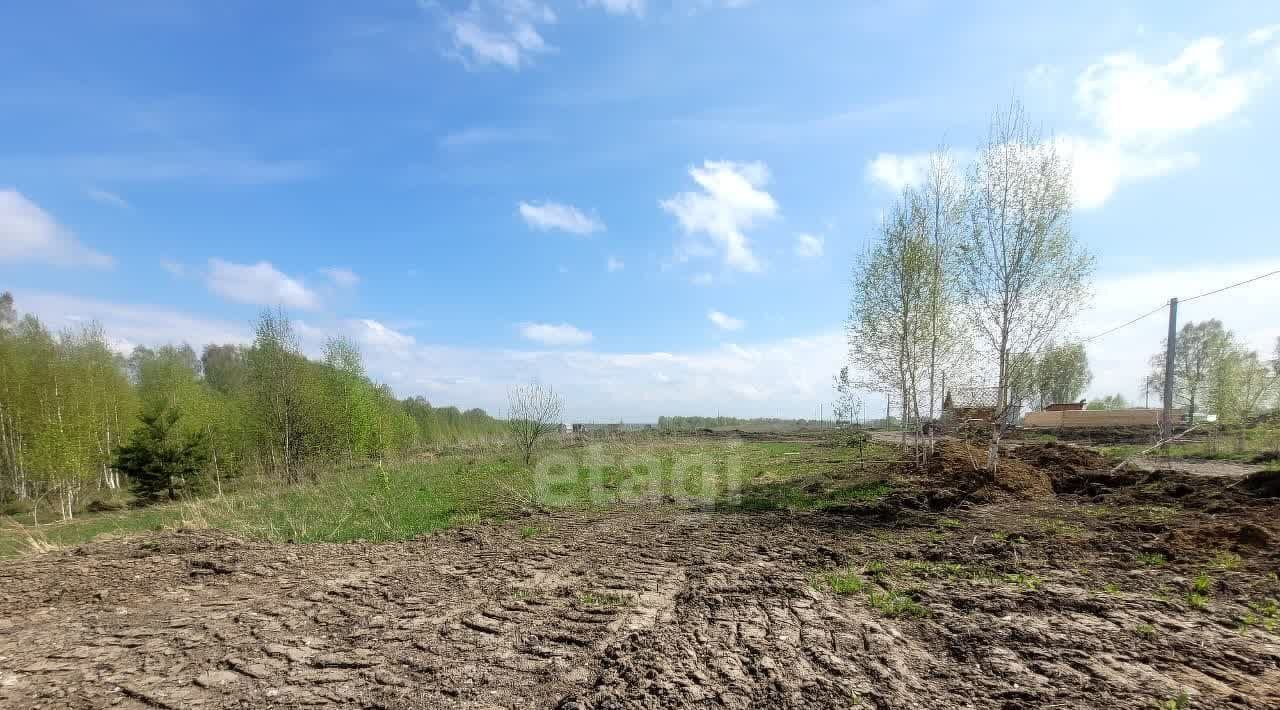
401	502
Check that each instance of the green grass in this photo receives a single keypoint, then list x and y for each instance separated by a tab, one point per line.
593	599
895	605
1151	559
842	581
1227	561
471	487
1025	582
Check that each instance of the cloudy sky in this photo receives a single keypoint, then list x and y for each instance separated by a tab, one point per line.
651	204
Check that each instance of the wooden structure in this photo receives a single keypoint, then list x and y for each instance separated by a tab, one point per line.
1066	407
1096	418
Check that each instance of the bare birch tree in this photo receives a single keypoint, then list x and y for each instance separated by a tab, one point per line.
890	313
534	412
1022	274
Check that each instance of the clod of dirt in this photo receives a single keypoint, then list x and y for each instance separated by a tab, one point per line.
1262	484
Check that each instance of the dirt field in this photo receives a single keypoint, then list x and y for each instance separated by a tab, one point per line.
1053	587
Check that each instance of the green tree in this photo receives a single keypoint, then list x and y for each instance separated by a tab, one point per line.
1022	274
1109	402
1062	373
159	460
1197	359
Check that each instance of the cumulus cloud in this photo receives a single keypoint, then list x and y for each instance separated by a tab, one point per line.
28	234
731	202
260	284
614	264
376	335
808	245
1141	113
897	172
546	216
499	32
724	321
341	277
562	334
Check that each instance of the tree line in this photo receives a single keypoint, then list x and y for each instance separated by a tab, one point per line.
69	404
1214	372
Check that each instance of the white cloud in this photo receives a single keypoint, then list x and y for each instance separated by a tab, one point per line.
620	7
614	264
175	269
897	172
28	234
1140	111
732	201
808	245
724	321
107	197
341	277
1120	360
555	335
1099	167
259	284
377	335
1134	102
500	32
1263	35
566	218
127	325
702	279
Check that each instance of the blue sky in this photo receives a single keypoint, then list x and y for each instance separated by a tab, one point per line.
653	205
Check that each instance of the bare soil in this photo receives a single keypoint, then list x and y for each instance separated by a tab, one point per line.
1033	586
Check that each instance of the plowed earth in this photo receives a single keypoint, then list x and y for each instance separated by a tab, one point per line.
1030	601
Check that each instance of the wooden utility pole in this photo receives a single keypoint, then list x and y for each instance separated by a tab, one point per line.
1166	419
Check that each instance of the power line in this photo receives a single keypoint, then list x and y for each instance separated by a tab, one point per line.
1225	288
1163	306
1159	308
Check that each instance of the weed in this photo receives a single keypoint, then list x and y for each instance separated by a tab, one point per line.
1151	559
876	568
1027	582
843	581
1197	601
895	604
1000	535
1111	588
528	531
1145	630
1202	584
603	600
950	523
1177	702
1227	561
1265	613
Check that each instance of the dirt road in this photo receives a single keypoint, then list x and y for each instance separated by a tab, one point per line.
638	608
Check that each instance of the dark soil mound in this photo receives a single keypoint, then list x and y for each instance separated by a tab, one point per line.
958	462
1262	484
1061	459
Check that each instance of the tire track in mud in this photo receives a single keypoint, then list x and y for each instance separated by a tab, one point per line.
630	609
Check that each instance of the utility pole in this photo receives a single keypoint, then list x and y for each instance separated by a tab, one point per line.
1166	419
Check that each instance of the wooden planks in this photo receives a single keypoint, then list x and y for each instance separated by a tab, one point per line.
1095	418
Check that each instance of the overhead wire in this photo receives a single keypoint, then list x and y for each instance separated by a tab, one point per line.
1163	306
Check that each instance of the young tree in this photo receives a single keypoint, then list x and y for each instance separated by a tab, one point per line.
1198	354
942	198
846	406
158	459
890	313
1062	373
535	411
1241	382
1022	273
277	376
